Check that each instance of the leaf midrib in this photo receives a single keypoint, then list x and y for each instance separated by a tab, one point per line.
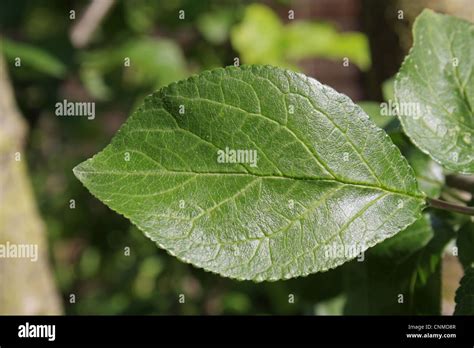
264	176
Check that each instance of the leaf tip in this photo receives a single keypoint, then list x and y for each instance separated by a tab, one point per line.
79	172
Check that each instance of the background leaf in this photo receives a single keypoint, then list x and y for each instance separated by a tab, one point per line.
429	174
262	38
153	62
465	294
373	110
465	243
401	275
33	57
436	79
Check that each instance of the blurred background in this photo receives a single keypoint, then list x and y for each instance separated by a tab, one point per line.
114	53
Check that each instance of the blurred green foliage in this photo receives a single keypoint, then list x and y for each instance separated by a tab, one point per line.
33	57
144	62
108	265
261	38
215	26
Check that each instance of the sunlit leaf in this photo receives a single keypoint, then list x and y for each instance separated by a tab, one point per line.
324	184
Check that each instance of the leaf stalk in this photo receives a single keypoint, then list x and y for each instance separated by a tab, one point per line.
440	204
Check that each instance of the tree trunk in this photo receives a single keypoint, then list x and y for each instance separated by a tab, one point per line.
26	285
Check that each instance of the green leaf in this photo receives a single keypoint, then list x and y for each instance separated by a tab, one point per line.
215	26
155	62
435	90
465	244
309	39
261	38
388	89
401	275
33	57
373	110
324	181
428	173
258	37
465	294
405	243
333	306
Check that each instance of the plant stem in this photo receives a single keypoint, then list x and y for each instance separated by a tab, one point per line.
437	203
